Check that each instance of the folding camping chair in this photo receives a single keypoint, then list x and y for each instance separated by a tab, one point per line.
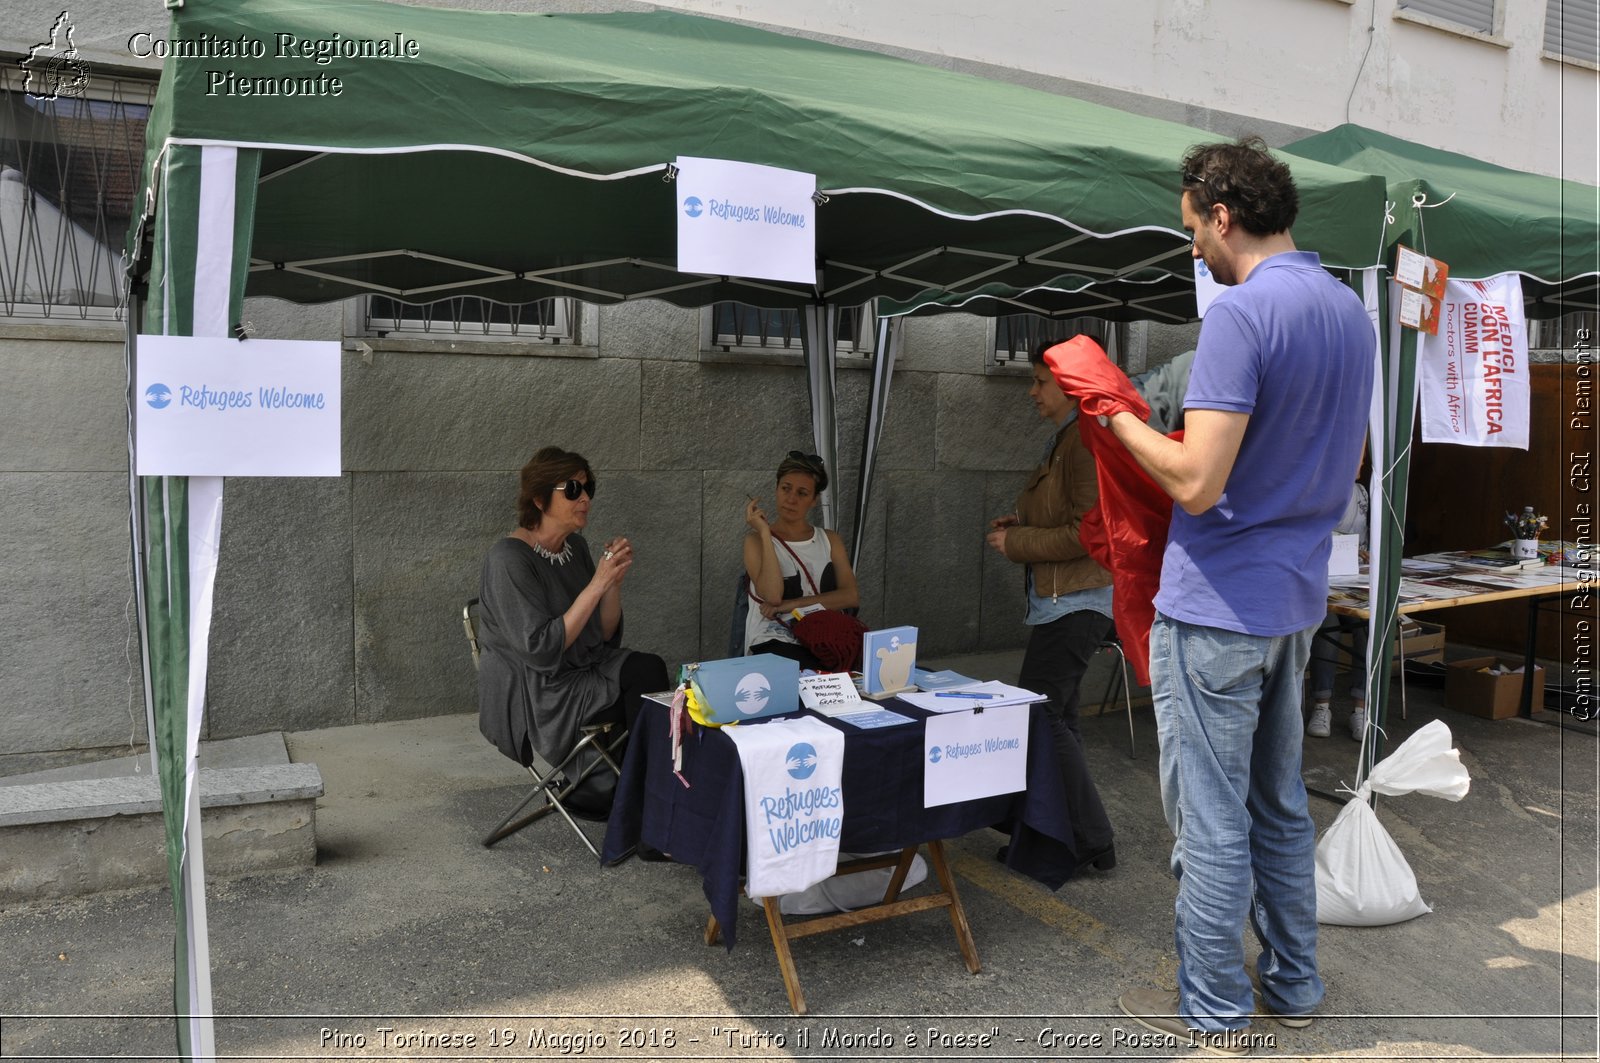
1119	680
596	751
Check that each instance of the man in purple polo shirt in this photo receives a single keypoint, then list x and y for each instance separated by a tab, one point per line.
1274	418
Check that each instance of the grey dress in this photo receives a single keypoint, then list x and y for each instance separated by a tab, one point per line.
529	687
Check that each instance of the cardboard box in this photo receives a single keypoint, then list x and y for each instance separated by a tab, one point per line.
1495	697
1426	643
1422	641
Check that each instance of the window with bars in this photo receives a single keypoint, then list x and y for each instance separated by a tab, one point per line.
1016	336
742	327
69	186
1565	335
470	317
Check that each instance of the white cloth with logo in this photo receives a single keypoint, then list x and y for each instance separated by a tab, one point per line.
793	802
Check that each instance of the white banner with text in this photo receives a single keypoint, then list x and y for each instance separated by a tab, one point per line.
1474	372
208	406
968	755
746	220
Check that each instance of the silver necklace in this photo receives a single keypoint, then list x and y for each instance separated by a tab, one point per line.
551	556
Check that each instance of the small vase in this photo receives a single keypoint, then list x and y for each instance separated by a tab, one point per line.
1525	548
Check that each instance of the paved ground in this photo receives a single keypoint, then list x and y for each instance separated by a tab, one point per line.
408	925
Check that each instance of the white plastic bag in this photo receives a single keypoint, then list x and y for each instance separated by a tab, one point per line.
1362	877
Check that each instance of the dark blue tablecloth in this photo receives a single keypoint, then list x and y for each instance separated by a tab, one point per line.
703	824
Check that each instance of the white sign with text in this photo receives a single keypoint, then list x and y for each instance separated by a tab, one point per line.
746	220
968	755
208	406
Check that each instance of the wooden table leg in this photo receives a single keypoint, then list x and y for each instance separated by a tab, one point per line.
713	930
780	943
958	914
897	881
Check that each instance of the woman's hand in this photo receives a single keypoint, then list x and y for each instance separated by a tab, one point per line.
755	517
1007	521
997	538
772	610
616	557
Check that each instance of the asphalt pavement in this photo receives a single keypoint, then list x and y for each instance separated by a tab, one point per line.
409	940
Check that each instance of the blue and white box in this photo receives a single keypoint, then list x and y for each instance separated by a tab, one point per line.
747	688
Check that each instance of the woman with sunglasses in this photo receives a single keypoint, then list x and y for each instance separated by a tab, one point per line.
791	563
551	626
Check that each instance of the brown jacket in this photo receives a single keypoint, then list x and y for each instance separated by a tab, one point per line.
1052	504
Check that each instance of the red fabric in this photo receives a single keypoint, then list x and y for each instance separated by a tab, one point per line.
1126	531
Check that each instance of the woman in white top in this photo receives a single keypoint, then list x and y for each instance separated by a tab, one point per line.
792	563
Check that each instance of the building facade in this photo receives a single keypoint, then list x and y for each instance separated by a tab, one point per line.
338	601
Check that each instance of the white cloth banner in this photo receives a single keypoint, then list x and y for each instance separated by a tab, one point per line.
793	802
1474	373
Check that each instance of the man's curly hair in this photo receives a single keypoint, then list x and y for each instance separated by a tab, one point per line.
1257	189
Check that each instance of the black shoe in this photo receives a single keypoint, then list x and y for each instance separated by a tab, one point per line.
1103	860
1003	852
651	855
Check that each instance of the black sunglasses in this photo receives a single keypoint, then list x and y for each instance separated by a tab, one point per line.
573	488
809	459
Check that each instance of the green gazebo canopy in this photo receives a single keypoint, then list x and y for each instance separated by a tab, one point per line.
423	153
1480	218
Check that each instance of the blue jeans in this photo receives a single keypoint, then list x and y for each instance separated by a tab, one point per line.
1325	656
1228	716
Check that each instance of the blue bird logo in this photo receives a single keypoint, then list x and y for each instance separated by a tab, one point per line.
934	756
159	396
691	206
801	760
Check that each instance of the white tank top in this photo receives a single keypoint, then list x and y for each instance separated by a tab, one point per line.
817	553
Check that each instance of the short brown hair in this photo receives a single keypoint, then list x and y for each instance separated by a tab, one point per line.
548	467
810	464
1257	189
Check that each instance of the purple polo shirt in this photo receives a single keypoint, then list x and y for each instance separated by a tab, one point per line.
1293	348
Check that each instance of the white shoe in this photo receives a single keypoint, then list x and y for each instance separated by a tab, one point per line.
1321	723
1358	724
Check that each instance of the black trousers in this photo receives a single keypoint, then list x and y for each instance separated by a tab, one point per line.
1057	656
642	673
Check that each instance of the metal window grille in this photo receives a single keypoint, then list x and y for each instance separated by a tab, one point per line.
1016	336
1565	335
740	325
69	182
1572	29
1473	14
471	317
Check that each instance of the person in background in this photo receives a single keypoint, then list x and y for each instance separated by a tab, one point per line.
791	563
1274	419
551	624
1163	388
1068	599
1336	627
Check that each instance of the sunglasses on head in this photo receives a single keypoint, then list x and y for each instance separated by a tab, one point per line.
809	459
573	488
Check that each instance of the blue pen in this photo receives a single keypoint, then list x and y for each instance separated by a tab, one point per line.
964	694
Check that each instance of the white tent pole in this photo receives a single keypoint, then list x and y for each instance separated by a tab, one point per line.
818	334
884	354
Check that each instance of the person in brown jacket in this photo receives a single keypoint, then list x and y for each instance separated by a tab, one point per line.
1068	600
